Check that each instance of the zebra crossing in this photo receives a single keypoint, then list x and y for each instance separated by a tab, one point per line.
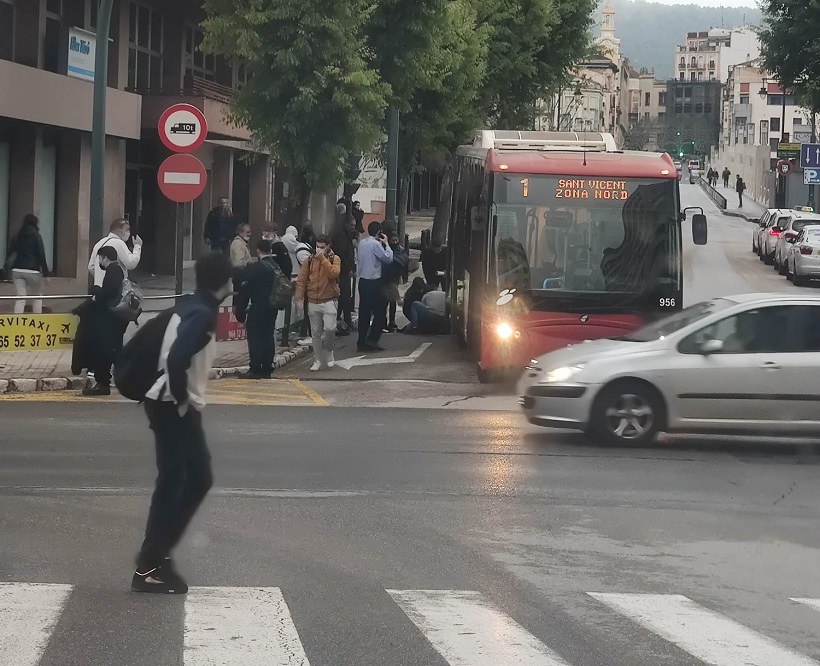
253	626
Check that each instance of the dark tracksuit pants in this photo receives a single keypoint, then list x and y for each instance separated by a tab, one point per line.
183	478
346	300
261	332
372	306
110	344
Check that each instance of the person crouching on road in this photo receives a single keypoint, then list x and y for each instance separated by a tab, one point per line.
254	307
174	407
104	330
318	280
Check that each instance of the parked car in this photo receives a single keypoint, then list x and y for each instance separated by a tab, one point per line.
769	235
803	255
758	229
747	364
694	176
794	224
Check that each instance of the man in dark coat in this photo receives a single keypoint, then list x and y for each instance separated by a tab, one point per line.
342	240
255	309
220	227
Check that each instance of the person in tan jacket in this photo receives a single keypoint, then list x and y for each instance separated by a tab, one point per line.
319	278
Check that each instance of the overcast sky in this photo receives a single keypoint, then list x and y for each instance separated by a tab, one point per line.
710	3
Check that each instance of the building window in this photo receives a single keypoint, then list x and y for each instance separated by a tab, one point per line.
707	107
683	62
764	132
662	115
694	62
6	30
240	75
711	64
774	124
662	99
678	108
647	99
687	108
692	76
687	92
773	145
797	121
777	100
51	42
197	63
750	128
711	76
699	107
145	48
744	99
682	76
700	76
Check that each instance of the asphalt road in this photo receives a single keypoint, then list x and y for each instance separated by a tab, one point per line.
364	533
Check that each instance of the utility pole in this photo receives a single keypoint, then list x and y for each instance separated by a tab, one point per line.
813	140
104	11
392	167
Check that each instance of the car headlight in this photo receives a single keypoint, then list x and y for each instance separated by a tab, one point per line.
562	374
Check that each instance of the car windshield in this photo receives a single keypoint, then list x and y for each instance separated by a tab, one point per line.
600	242
797	225
668	325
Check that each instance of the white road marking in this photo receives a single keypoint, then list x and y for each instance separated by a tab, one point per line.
28	614
467	630
813	603
180	178
707	635
240	626
348	363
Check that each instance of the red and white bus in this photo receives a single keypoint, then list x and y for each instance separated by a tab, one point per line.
556	238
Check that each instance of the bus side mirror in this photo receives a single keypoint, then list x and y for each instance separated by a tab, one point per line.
699	229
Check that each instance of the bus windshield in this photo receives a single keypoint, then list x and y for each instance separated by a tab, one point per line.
606	242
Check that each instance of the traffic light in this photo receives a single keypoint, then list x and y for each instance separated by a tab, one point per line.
677	133
352	172
680	153
693	143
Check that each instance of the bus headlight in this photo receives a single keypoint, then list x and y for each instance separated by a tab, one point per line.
504	330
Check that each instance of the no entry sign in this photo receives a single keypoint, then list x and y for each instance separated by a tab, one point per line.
182	128
182	178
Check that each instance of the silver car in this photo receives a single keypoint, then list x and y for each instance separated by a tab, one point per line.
795	223
746	364
803	256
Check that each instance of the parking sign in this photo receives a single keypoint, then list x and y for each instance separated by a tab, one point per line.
811	176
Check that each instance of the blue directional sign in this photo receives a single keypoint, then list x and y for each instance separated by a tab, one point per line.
810	155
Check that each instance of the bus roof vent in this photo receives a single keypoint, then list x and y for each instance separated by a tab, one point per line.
551	141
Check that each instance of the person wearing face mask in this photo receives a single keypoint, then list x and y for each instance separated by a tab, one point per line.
120	232
240	247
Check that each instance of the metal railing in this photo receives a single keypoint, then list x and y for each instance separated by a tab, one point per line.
713	194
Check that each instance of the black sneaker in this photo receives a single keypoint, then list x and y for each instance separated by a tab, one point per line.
98	389
159	580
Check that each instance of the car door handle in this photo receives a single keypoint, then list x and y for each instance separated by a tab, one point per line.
770	365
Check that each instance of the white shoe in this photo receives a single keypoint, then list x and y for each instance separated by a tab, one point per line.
316	366
304	342
331	362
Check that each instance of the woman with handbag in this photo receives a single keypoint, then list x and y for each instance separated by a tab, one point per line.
99	336
27	265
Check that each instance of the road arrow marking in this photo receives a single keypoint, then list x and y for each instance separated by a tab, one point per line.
349	363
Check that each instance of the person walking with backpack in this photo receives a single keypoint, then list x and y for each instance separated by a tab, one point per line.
256	307
740	187
27	265
318	281
174	402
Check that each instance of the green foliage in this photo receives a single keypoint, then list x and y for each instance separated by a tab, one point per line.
789	42
312	98
532	44
445	111
402	41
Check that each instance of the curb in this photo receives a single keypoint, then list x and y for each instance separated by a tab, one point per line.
742	216
52	384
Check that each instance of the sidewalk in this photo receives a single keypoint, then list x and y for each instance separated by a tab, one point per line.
751	209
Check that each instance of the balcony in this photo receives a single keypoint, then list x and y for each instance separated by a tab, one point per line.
213	99
743	111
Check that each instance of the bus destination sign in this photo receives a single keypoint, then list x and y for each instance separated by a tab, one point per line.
583	188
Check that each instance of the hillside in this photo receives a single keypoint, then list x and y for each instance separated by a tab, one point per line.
649	31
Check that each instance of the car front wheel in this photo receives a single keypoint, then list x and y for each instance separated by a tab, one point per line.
627	413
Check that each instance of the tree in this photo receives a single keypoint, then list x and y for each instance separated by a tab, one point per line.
787	37
533	43
639	136
312	98
443	112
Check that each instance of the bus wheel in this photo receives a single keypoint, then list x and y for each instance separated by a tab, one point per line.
627	412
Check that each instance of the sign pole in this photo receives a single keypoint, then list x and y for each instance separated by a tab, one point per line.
180	246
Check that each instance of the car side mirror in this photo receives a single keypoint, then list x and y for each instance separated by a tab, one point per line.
699	229
711	347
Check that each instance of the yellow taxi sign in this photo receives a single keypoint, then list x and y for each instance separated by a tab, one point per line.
32	332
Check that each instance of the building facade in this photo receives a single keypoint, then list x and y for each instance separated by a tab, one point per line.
692	117
708	55
46	74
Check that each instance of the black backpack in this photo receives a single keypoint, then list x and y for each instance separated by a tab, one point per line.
135	370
